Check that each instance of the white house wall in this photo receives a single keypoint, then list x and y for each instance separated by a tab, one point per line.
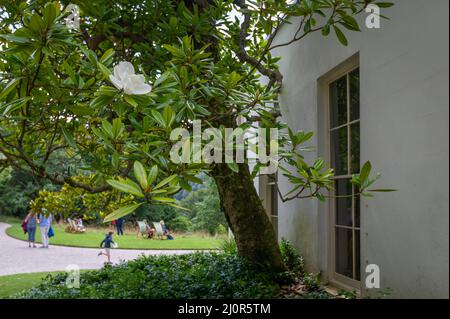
404	133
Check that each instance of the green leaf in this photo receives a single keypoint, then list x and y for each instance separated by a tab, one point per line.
185	185
158	118
152	175
161	79
194	179
129	187
122	211
8	88
108	54
177	206
130	100
384	4
140	174
105	71
69	138
234	167
164	199
14	38
101	101
165	181
350	23
49	13
14	105
365	172
340	35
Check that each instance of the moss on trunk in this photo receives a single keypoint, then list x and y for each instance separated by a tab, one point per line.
252	229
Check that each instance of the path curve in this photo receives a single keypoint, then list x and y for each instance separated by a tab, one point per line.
17	258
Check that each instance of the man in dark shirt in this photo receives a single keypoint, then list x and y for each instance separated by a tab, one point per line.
119	225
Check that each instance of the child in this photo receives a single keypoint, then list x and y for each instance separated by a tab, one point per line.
107	242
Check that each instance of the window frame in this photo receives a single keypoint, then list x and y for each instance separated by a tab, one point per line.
335	278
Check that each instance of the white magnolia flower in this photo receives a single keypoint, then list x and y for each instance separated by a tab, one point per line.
125	79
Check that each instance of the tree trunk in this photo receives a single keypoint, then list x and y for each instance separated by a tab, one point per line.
247	218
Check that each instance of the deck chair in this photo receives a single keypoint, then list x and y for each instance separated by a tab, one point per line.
73	228
143	229
159	230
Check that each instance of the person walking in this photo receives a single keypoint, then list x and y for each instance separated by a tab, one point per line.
45	223
119	226
31	221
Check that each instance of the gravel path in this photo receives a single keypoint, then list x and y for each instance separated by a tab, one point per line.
17	258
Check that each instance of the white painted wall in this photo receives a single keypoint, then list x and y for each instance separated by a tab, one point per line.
404	133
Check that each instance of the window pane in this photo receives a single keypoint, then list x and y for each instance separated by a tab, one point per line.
339	140
357	254
343	205
344	252
354	95
338	102
354	152
274	201
357	211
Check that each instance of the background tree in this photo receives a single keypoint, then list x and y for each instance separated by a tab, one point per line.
204	60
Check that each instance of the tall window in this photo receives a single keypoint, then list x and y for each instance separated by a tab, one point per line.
345	158
273	209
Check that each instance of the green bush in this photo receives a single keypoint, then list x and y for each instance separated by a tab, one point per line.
221	230
292	259
228	246
190	276
181	223
199	275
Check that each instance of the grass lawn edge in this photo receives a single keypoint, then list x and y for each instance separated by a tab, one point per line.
93	247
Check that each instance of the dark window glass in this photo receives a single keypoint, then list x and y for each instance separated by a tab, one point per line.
339	140
357	255
354	152
338	102
344	252
274	203
354	95
343	204
357	210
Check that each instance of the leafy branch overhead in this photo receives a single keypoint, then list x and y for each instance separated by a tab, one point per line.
111	93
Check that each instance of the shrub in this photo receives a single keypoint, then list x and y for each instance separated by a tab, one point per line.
199	275
228	246
291	258
220	230
181	223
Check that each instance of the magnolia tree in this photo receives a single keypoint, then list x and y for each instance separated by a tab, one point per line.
124	85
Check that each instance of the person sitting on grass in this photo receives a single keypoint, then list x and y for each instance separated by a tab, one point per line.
80	225
166	230
151	232
107	246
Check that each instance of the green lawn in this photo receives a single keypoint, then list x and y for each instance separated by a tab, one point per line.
12	284
92	238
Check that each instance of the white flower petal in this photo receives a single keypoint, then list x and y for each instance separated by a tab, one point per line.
141	89
125	79
136	79
117	83
123	70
